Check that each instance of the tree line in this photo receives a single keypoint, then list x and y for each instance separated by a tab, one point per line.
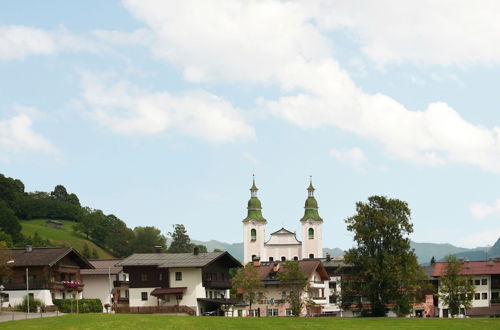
105	230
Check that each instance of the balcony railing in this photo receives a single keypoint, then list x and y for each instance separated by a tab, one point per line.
217	284
33	285
118	284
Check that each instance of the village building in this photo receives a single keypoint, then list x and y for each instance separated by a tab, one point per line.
273	298
485	275
190	283
106	282
44	273
282	244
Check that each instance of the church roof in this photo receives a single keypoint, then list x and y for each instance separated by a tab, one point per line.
280	233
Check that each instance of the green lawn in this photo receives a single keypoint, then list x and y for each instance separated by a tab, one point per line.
137	321
60	237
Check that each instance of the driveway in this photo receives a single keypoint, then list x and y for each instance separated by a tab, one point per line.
12	316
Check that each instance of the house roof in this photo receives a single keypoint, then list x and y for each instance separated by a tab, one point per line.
46	256
177	260
485	267
103	267
167	291
269	271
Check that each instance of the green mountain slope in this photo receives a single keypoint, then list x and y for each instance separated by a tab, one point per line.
65	236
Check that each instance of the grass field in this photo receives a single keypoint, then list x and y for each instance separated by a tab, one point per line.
60	237
137	321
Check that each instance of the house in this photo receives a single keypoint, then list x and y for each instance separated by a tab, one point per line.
273	301
106	282
54	224
282	244
52	273
190	283
485	276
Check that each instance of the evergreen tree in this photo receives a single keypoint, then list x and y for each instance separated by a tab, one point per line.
455	290
180	240
433	260
387	271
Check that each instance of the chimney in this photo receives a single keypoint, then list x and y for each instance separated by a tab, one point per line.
196	251
158	249
29	248
328	257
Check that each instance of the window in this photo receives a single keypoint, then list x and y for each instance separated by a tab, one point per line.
178	276
484	295
144	277
484	281
5	297
161	277
272	312
311	255
310	233
462	311
283	258
476	296
477	282
253	234
271	259
254	257
254	313
295	258
288	312
333	299
283	295
332	286
240	313
126	294
144	296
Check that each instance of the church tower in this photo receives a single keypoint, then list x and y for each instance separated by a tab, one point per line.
312	234
254	228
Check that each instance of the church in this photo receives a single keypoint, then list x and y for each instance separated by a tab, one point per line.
282	244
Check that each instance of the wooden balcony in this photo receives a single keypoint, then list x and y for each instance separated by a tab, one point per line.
118	284
217	284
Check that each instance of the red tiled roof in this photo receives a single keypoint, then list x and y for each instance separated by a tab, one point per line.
308	267
487	267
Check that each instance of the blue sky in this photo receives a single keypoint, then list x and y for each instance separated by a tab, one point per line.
159	112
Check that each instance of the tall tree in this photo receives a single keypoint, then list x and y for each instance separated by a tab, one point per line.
387	269
9	223
455	290
247	282
5	270
295	283
146	238
88	221
180	240
59	193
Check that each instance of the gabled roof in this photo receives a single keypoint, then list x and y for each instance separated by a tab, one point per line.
282	232
177	260
46	256
485	267
269	271
103	267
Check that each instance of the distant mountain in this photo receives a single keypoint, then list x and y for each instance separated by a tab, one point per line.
424	251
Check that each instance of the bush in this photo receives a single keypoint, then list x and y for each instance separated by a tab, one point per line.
84	305
33	304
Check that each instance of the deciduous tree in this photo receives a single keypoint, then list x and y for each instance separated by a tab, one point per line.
386	268
294	283
247	282
455	290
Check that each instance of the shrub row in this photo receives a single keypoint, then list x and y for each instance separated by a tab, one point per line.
84	305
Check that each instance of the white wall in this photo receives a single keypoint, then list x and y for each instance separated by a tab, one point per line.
97	287
16	297
253	247
135	297
191	278
314	246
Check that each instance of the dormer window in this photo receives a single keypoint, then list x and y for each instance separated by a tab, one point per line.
310	233
253	234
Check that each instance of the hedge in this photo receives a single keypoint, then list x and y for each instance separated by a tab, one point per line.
84	305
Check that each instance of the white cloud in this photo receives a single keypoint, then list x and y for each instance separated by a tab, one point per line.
17	137
17	42
483	238
127	109
441	32
284	43
354	156
483	210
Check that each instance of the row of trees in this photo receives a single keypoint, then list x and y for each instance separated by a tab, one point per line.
107	231
384	271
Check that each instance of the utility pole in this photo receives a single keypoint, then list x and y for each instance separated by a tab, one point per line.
27	292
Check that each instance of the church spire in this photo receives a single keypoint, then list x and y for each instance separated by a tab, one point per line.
311	205
254	205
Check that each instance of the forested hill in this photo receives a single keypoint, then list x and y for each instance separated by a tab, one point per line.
106	231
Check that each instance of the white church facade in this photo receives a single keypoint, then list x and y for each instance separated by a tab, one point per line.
282	244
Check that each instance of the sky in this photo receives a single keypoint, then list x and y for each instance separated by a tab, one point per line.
160	111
